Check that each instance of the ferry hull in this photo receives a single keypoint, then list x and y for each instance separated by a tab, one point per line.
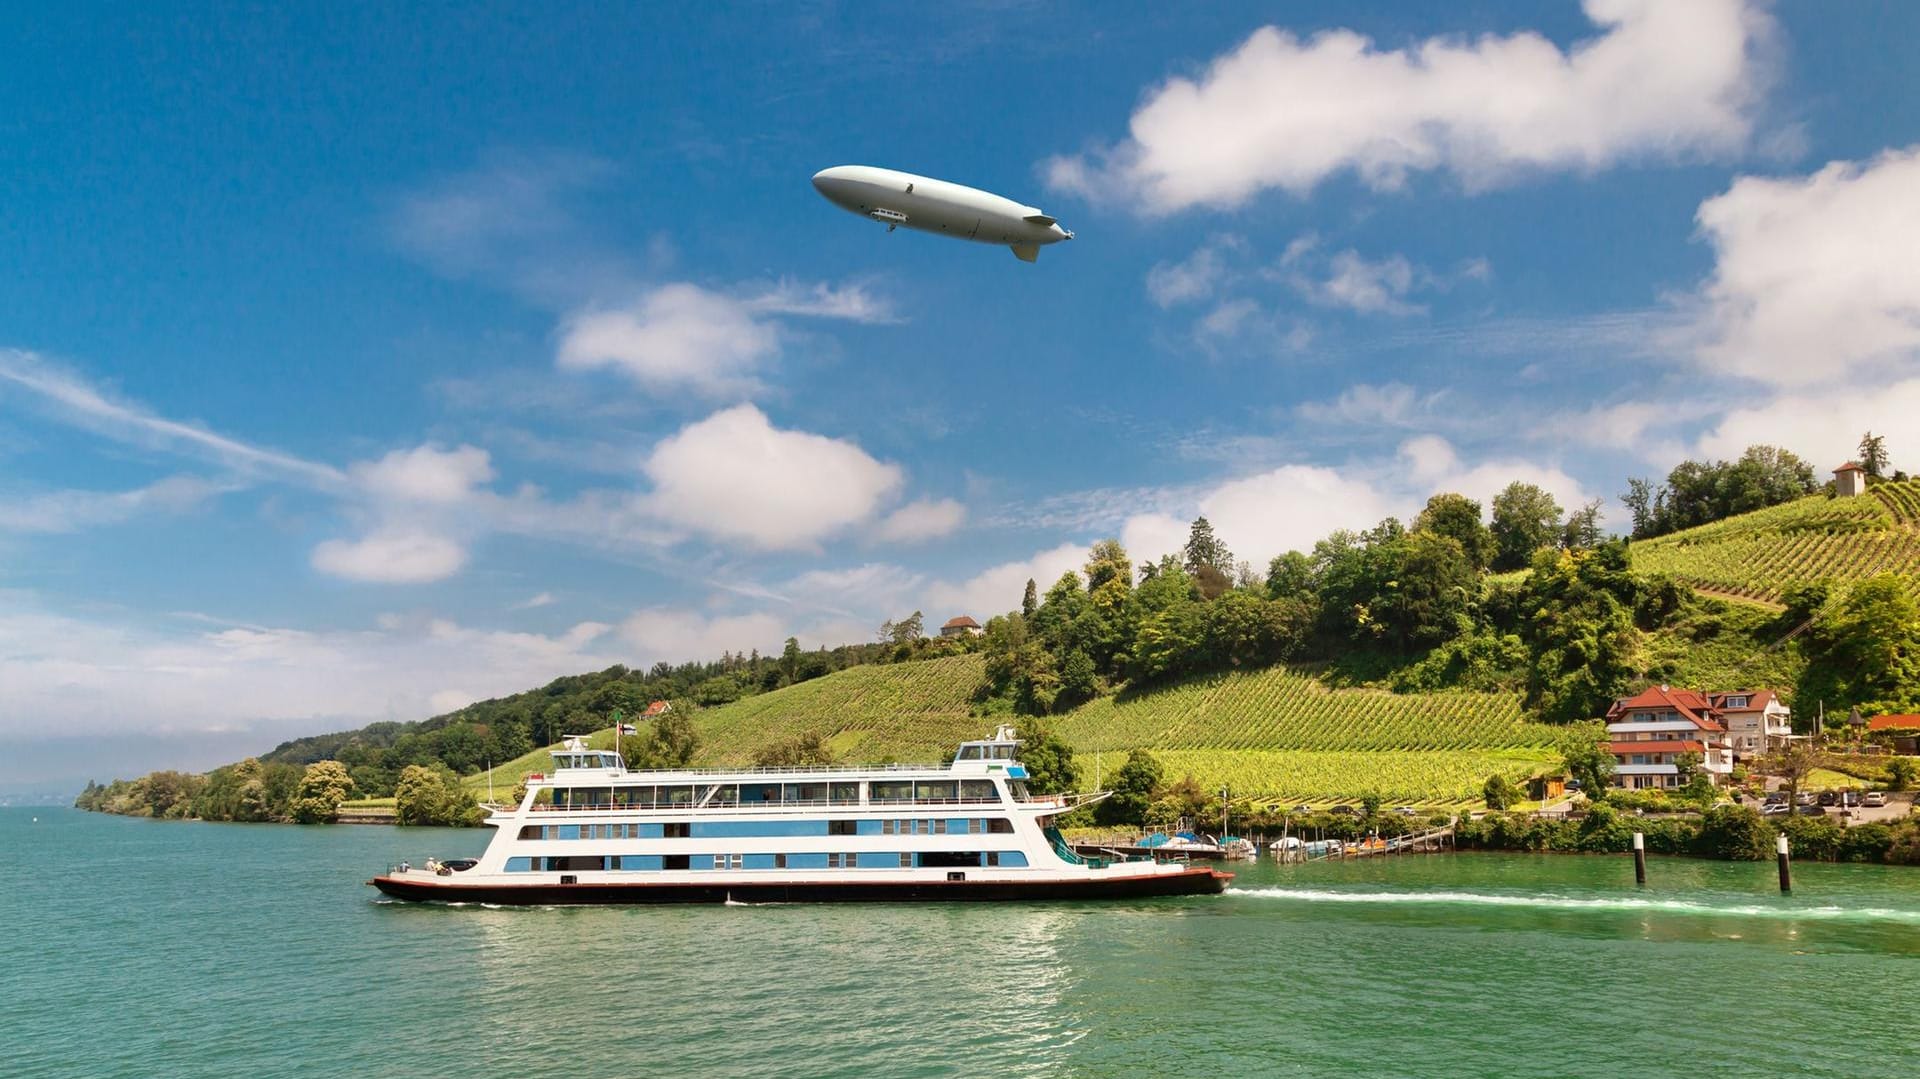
1189	882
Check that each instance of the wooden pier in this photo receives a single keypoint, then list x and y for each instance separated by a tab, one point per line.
1432	841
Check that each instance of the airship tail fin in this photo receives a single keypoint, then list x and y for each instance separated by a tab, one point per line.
1026	252
1040	219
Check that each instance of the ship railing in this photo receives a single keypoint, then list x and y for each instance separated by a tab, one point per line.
816	803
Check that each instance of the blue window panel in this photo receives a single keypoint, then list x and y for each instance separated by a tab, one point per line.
700	861
806	861
1013	858
569	831
519	865
757	861
957	826
633	863
866	827
878	860
736	829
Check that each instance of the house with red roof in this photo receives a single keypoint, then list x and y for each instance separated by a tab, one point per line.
1757	721
1849	479
1650	731
1904	729
961	626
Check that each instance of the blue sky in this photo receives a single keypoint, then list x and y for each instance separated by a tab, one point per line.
358	363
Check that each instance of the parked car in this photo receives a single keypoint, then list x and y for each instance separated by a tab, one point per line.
1777	798
1810	811
1874	799
1405	811
1804	798
1849	798
1776	809
1828	798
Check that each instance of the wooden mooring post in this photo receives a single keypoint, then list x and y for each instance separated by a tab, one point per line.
1640	859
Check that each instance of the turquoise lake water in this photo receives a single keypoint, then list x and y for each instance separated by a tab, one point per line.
153	948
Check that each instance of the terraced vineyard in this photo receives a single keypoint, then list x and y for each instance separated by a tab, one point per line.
1281	734
1762	554
1275	734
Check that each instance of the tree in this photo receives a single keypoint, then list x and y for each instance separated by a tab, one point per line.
1736	833
1583	528
1577	621
1289	576
1873	454
1108	561
433	796
1792	765
1499	792
1030	602
1587	759
790	660
802	750
1865	650
907	630
323	786
1901	772
1205	549
1047	759
1134	786
669	743
1640	500
1525	519
1458	517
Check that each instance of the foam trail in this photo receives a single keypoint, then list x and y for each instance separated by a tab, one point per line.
1562	902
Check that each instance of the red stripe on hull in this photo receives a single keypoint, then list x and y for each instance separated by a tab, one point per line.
1189	882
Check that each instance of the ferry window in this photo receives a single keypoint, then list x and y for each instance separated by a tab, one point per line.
1002	753
677	796
843	793
640	796
726	861
970	753
892	791
940	827
841	827
573	863
939	791
674	830
779	861
973	826
993	857
979	790
906	860
533	831
1019	789
721	794
759	792
948	859
839	861
806	792
1000	826
674	861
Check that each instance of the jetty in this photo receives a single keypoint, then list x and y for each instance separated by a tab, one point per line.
1292	849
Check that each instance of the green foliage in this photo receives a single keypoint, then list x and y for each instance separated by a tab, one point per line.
434	796
1697	493
1457	517
670	742
1585	757
1134	788
1762	555
1577	622
1865	652
802	750
1204	549
1048	759
1735	833
1901	772
1499	792
1525	519
323	786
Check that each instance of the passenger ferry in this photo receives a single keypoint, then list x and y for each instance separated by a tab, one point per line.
594	832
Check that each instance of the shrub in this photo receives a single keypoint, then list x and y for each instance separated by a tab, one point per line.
1735	833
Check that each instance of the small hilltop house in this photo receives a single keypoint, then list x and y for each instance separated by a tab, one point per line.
1849	480
961	625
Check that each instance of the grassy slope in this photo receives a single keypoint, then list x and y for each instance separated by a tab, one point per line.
1274	733
1761	554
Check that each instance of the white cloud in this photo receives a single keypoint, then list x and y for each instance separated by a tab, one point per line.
1370	288
93	676
398	555
682	336
1664	80
1435	466
426	474
668	635
1823	427
997	590
1147	536
538	599
1815	278
1391	404
1193	278
924	519
735	476
94	408
677	336
70	511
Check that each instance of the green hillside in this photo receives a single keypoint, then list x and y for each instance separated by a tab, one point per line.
1277	733
1760	555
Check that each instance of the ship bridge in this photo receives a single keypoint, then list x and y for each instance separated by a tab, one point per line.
993	756
575	755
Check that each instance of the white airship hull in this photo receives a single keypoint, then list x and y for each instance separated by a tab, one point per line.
904	200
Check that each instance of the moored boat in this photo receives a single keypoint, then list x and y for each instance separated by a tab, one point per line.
594	832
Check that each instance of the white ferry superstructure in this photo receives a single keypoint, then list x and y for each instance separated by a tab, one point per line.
593	832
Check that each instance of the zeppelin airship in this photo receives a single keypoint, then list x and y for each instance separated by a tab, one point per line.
901	199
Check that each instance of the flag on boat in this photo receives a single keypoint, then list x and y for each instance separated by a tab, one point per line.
628	728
